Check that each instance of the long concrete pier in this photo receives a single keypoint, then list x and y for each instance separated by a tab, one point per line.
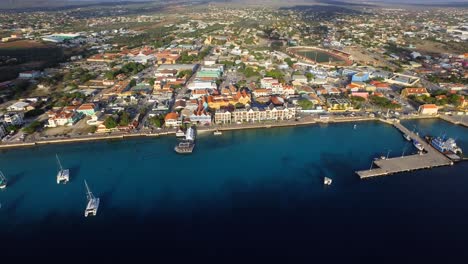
430	158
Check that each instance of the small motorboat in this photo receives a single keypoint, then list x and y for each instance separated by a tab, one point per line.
327	181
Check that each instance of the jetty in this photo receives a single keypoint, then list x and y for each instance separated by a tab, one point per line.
427	159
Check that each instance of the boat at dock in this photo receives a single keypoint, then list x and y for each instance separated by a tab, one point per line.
3	181
217	133
63	175
184	147
93	202
418	145
447	147
327	181
407	137
180	133
187	145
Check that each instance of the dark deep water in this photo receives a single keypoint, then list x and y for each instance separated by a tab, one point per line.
257	193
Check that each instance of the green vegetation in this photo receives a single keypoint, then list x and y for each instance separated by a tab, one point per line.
33	113
31	128
184	73
12	128
309	76
453	99
227	64
157	37
185	58
129	68
151	81
277	74
289	62
156	121
110	122
249	72
305	104
79	74
124	119
357	101
383	102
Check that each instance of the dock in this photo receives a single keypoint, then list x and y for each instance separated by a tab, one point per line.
430	158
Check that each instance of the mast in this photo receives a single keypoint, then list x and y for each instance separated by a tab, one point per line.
58	162
89	194
2	177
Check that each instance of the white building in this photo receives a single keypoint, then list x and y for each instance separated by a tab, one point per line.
201	85
18	106
30	75
14	119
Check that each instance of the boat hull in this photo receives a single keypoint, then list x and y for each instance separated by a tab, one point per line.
92	207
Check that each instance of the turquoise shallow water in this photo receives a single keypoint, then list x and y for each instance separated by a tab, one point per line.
264	185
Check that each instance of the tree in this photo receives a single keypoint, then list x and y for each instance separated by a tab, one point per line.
110	122
33	113
156	121
110	75
31	128
132	83
277	74
289	62
151	81
184	73
309	76
305	104
124	119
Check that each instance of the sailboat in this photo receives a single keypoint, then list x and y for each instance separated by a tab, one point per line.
63	176
93	202
3	181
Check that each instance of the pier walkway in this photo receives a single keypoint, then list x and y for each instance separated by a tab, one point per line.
430	158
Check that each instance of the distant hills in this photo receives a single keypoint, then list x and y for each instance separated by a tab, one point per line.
47	4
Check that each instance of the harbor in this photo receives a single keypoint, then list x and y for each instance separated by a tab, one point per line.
426	159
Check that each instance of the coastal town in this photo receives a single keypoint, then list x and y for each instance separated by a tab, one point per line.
294	130
217	68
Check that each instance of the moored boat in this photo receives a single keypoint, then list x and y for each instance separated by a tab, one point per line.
93	202
3	181
407	137
217	133
63	175
448	146
184	147
327	181
418	145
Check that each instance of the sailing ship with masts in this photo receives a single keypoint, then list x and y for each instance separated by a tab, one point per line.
63	175
3	181
93	202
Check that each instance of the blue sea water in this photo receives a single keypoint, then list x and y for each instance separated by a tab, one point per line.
253	192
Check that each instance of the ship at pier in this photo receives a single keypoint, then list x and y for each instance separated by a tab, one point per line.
187	145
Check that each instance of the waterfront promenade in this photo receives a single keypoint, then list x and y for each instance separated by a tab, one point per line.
309	120
172	131
430	158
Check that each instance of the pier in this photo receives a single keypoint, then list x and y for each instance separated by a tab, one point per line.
430	158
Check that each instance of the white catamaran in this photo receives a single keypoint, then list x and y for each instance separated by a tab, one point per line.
63	176
93	202
3	181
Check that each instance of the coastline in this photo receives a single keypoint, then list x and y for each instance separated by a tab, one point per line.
232	127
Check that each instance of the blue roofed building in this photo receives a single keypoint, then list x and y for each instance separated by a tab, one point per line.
360	77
